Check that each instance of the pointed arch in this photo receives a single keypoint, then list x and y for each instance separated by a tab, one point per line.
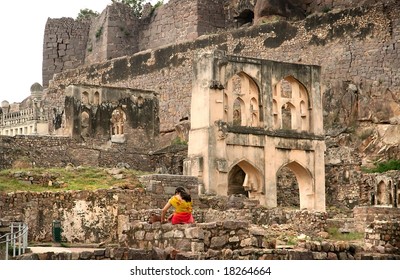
85	98
118	119
96	98
85	123
238	112
290	91
288	113
381	193
243	177
242	89
305	183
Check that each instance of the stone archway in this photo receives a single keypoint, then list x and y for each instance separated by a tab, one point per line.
287	188
236	179
244	178
305	183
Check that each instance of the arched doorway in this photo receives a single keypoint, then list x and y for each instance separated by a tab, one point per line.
235	181
381	193
287	188
245	179
294	173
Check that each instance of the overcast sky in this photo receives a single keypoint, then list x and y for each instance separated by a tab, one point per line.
22	25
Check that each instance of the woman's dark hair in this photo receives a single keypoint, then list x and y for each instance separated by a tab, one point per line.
185	196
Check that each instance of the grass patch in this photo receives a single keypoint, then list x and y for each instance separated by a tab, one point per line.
56	179
335	234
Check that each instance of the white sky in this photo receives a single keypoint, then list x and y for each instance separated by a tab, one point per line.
22	25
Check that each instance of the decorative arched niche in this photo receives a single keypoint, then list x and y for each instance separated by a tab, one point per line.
241	101
118	119
291	105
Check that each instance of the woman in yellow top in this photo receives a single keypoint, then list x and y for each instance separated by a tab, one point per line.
182	202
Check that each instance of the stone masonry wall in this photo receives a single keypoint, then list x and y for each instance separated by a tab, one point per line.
113	34
384	236
325	5
64	46
364	216
44	151
174	22
358	49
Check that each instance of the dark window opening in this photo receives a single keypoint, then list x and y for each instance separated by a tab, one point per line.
245	17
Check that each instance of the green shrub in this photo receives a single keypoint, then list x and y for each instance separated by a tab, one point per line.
381	167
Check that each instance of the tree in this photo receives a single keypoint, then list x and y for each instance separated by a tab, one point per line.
136	5
86	14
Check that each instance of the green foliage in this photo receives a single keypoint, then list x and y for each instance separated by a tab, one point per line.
86	14
136	5
158	4
292	240
381	167
99	32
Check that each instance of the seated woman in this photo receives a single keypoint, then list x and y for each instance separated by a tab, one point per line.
182	202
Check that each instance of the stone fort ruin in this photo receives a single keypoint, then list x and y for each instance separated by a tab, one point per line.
283	104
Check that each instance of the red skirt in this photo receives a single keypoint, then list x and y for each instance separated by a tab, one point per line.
182	218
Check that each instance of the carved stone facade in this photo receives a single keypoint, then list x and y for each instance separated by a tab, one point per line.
29	118
252	117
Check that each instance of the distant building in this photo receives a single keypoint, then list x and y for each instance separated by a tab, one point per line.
26	118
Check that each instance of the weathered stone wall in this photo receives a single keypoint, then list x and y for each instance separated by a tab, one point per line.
64	46
358	49
174	22
113	34
383	236
44	151
364	216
